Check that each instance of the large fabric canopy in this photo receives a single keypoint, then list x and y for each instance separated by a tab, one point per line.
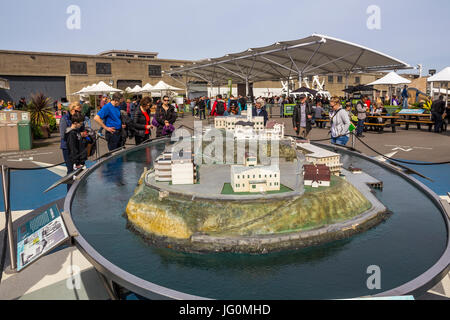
391	78
443	76
314	55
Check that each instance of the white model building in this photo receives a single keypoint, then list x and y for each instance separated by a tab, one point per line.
176	167
316	155
316	175
163	167
229	123
253	178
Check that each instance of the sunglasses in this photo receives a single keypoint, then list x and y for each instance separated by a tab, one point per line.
166	100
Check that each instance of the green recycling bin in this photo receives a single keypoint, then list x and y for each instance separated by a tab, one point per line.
24	128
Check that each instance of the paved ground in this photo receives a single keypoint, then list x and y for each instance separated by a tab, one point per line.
66	274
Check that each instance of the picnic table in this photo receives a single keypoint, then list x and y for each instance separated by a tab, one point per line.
417	119
393	122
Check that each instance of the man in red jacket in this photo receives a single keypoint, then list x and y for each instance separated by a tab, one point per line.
219	107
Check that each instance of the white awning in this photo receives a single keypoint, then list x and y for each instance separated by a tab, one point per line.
314	55
443	76
147	88
101	88
391	78
137	89
162	86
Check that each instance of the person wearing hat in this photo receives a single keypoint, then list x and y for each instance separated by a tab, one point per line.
302	117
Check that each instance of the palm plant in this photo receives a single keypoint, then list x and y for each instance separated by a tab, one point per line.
40	112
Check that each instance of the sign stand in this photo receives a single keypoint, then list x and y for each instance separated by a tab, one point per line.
6	175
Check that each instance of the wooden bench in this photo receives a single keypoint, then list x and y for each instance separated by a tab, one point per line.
417	122
380	125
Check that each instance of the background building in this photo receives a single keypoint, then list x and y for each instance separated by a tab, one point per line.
58	75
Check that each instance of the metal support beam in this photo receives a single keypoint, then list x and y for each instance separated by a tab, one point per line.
235	73
332	61
279	64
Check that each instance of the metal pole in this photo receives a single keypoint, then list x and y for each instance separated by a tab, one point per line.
353	141
6	177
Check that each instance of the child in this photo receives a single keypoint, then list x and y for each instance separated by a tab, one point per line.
76	145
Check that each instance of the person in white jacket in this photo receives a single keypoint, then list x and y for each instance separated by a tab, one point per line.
340	123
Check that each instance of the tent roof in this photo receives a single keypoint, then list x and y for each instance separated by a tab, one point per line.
101	88
147	88
314	55
442	76
391	78
162	86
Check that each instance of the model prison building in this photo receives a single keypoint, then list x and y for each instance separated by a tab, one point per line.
176	167
253	178
316	155
316	175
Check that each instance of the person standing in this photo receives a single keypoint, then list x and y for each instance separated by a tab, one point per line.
318	111
164	112
109	119
405	96
438	113
22	105
202	107
141	121
361	110
76	145
302	117
340	123
219	107
260	111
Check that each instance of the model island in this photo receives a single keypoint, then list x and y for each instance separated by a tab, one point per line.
258	200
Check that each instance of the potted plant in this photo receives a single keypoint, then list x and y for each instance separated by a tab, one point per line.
40	109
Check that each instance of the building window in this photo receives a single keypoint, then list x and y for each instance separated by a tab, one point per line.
330	79
103	68
77	67
310	78
275	175
339	79
154	70
253	186
357	79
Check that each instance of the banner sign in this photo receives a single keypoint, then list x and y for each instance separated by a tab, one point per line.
412	111
39	236
289	109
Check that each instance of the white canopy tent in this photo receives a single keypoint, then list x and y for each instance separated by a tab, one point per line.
147	88
101	88
441	77
392	79
287	60
161	87
136	90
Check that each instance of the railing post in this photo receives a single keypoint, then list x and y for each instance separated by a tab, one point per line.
6	174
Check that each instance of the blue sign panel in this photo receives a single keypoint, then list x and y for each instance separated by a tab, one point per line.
412	111
39	236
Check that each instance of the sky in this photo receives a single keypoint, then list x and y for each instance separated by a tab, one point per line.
414	31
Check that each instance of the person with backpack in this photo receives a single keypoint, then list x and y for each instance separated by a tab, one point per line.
219	107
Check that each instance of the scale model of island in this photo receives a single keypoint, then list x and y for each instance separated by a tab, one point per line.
304	198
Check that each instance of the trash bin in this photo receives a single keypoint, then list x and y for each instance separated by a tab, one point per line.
25	142
8	131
